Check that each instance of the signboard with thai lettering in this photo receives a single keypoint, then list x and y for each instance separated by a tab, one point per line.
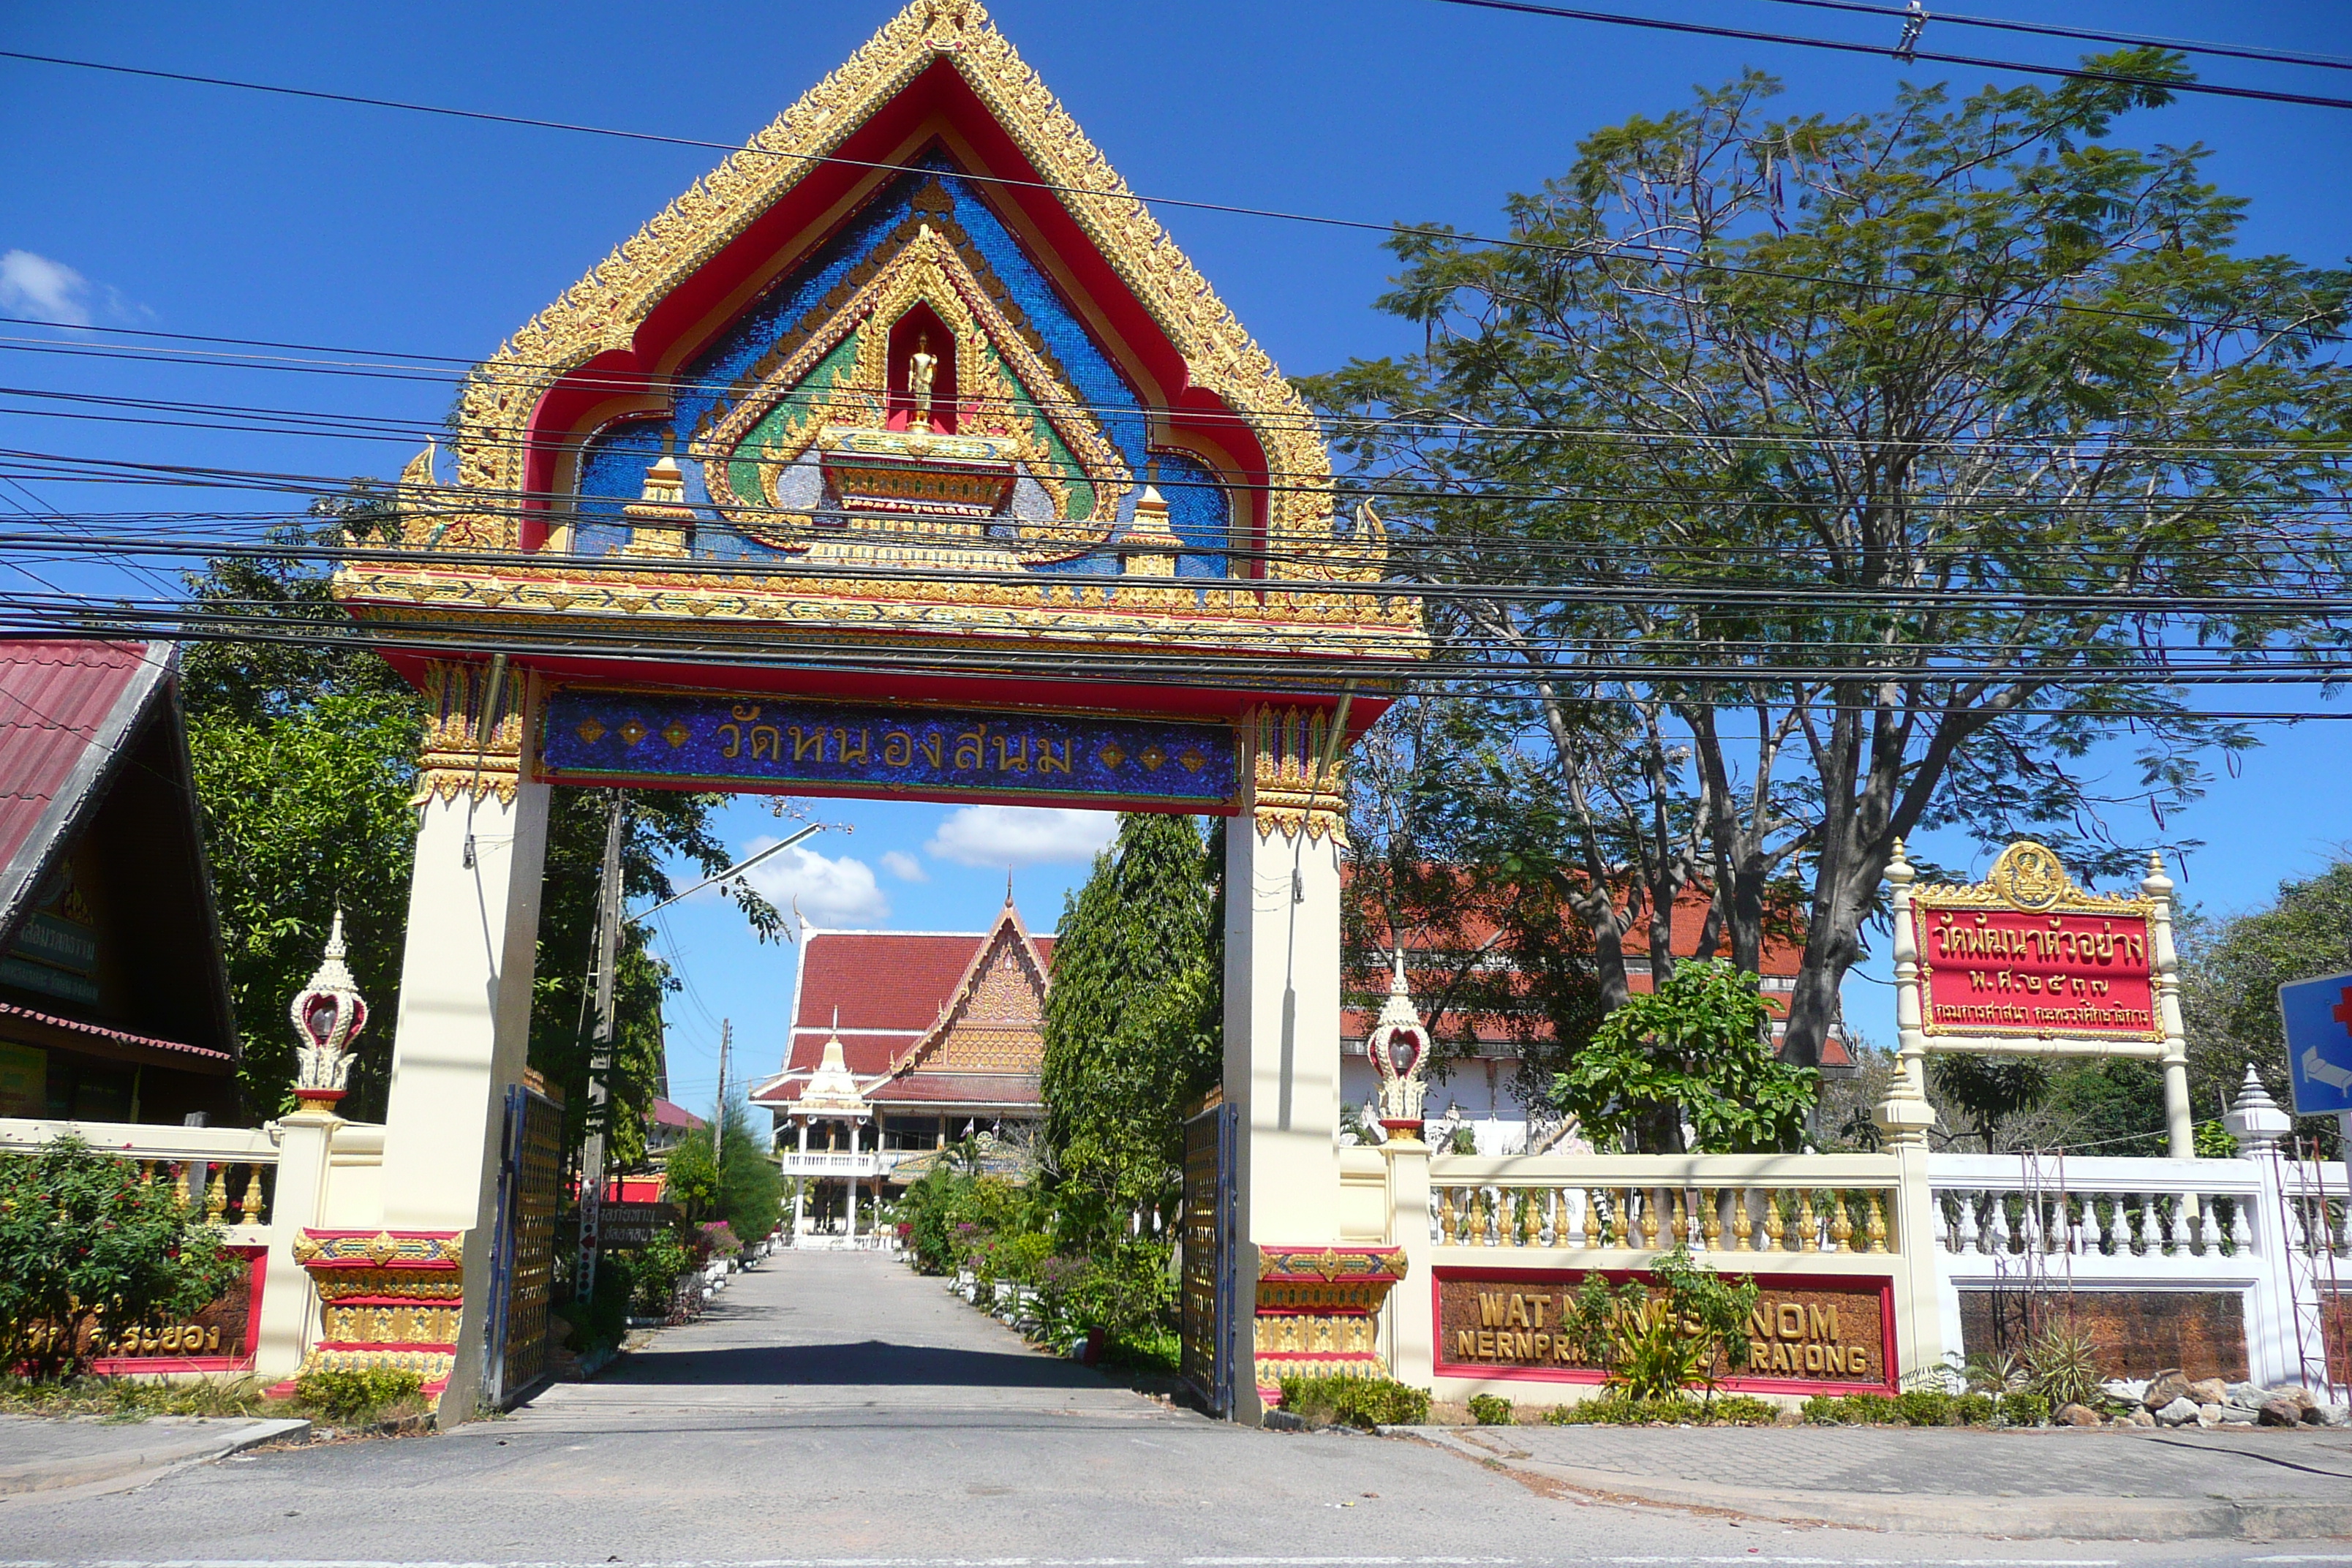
2027	954
634	1225
595	736
1808	1333
220	1337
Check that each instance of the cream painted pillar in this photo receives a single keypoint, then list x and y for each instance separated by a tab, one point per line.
1904	1118
1282	1004
290	1305
2180	1119
465	983
1411	1309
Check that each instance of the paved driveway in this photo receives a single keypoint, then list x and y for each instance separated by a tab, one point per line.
838	1409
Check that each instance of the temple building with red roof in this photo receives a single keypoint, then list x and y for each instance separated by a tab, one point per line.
902	1042
115	1002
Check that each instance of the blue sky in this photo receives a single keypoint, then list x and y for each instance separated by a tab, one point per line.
195	209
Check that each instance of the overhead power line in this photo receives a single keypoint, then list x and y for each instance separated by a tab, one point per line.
1941	18
1841	46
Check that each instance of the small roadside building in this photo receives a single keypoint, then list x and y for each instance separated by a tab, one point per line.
903	1042
115	1002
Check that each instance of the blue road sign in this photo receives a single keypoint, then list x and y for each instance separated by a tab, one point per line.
2318	1014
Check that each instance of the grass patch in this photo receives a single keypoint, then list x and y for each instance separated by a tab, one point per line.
128	1399
1337	1399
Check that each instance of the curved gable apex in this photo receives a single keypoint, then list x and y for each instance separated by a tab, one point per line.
938	72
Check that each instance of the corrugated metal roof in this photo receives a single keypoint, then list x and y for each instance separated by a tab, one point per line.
57	698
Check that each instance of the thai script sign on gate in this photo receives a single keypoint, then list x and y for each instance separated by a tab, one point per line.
589	735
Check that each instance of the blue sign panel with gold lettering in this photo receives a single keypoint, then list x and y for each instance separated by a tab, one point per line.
598	736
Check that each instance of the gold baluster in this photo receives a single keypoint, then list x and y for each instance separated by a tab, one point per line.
1560	1216
1742	1233
146	1172
1808	1224
1681	1220
1593	1233
1446	1216
1878	1226
1774	1228
1649	1219
1841	1225
1530	1217
180	1184
1710	1224
249	1203
1485	1200
216	1195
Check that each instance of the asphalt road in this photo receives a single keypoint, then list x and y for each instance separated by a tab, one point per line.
838	1409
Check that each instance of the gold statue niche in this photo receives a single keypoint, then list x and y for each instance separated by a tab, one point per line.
825	395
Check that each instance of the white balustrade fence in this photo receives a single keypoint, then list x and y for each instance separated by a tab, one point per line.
1728	1204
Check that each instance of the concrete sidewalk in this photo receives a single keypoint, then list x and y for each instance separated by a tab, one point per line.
2110	1485
46	1454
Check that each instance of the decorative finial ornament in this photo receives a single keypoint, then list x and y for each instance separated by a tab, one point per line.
1399	1048
2254	1119
328	1016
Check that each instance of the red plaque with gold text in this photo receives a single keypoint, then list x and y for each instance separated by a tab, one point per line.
1809	1334
2009	971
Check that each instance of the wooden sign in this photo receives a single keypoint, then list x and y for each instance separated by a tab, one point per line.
2027	954
1807	1334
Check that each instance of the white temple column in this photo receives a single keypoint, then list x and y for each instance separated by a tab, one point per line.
466	980
1282	1001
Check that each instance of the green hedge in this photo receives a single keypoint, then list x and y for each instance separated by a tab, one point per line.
1344	1399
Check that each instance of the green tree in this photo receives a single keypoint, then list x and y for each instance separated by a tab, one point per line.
1133	1023
304	742
1990	1090
1802	483
2230	973
87	1250
744	1186
1699	1049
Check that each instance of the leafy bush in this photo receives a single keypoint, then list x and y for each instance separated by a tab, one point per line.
129	1399
1973	1410
1652	1345
1697	1048
1490	1410
89	1250
1340	1398
2020	1408
1925	1407
355	1398
2063	1361
652	1272
1853	1410
719	1239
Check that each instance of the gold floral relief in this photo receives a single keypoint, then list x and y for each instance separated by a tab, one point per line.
603	309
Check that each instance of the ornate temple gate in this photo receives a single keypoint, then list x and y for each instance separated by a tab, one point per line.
904	456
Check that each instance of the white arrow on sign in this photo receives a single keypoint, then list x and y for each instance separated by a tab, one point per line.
2321	1070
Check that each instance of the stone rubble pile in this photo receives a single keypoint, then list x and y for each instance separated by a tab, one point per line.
2171	1398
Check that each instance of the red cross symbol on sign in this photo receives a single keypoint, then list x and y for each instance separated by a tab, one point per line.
2342	1013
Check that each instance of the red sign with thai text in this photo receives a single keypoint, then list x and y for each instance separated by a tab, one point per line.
2061	975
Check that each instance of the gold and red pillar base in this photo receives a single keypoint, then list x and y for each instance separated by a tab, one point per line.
1319	1313
388	1299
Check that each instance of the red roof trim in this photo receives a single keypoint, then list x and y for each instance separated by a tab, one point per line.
9	1009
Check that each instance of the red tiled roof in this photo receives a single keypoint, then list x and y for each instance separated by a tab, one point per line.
956	1089
667	1114
10	1010
58	700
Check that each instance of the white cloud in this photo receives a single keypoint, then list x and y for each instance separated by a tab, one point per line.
834	893
1012	836
904	866
36	286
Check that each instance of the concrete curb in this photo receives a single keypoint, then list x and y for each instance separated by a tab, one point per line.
2071	1516
149	1450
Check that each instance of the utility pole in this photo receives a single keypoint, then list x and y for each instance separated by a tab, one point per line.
719	1124
600	1052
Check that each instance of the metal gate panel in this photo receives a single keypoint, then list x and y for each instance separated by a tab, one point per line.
1210	1235
523	1278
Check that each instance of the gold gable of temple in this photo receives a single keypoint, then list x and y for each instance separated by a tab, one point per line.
604	311
995	1020
818	420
